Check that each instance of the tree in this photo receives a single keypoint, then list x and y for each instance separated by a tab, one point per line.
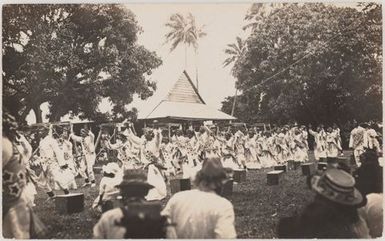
184	30
314	63
72	56
235	52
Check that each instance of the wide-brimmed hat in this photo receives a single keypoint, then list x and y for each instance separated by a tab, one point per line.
134	178
111	168
337	186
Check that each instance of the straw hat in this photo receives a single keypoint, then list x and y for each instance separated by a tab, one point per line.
337	186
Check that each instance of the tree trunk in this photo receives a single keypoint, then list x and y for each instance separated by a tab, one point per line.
38	114
196	69
185	57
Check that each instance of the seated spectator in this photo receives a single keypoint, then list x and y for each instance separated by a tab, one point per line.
137	218
332	214
369	182
107	187
202	213
369	174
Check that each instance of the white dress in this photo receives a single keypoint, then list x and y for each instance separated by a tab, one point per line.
155	178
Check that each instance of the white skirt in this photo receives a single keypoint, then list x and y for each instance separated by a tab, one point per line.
155	178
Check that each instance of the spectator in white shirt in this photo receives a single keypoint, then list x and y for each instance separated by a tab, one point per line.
202	213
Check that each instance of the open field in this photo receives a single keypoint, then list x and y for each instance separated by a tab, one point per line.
258	206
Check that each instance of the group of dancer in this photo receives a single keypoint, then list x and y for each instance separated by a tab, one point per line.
62	155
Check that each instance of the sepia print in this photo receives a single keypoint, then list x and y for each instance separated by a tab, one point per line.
192	120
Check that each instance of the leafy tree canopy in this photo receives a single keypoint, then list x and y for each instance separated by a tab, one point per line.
72	56
311	62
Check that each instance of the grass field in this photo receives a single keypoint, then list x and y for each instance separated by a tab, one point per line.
257	206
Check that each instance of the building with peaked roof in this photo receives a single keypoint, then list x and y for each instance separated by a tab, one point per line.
184	103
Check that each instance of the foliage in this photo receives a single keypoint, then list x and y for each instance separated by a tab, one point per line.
313	63
72	56
183	30
235	51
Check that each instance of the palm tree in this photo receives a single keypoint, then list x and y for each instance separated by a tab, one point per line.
184	30
235	52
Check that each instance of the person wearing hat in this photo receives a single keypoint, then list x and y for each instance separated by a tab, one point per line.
369	181
282	150
86	139
299	147
251	148
371	139
337	131
149	146
333	212
227	152
53	163
112	176
125	155
70	172
357	141
332	148
201	213
319	143
137	218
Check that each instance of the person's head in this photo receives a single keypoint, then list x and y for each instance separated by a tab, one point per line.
355	123
227	135
83	132
211	176
251	133
329	129
338	187
64	135
319	128
134	184
190	133
165	140
149	135
335	126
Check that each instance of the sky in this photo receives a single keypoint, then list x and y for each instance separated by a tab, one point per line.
223	22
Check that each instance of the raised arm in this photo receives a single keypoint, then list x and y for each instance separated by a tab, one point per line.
133	138
313	133
73	136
